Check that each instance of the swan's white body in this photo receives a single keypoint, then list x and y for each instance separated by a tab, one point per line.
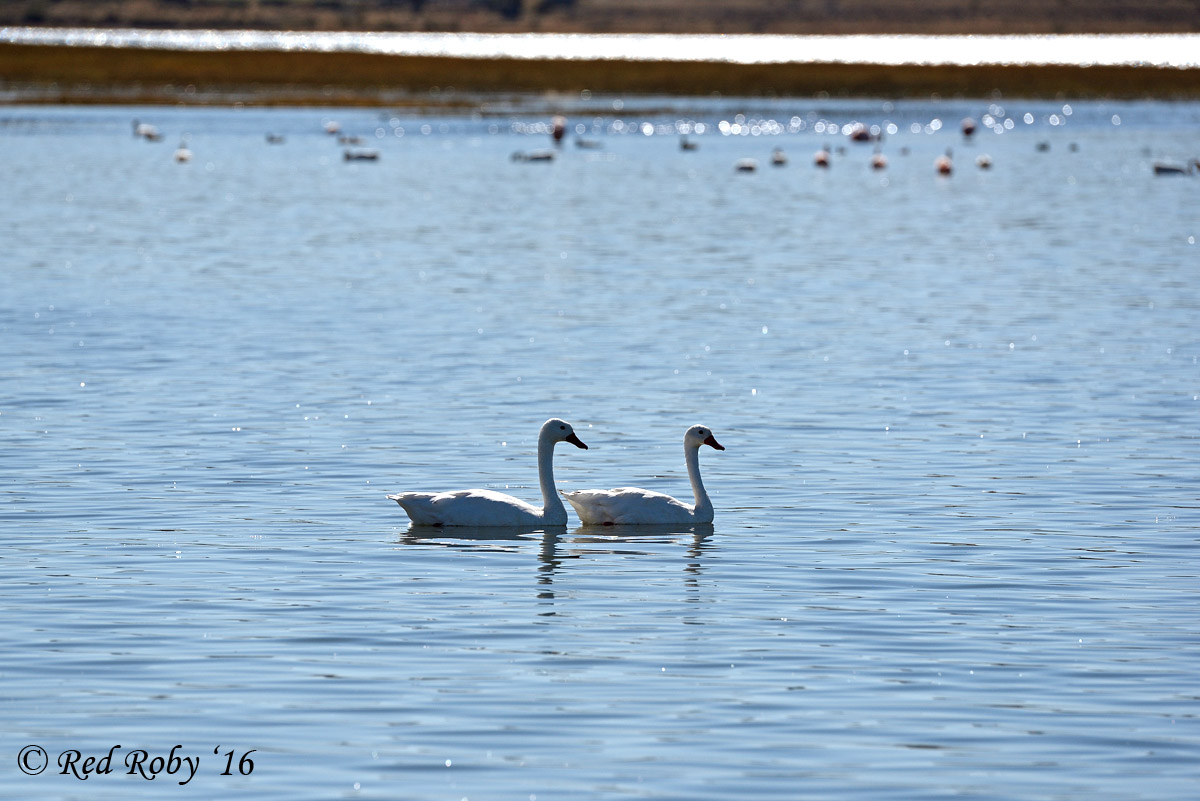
488	508
146	131
630	506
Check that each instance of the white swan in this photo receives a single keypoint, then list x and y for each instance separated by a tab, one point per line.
478	507
630	506
147	131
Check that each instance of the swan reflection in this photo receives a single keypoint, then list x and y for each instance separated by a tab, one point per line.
698	532
557	548
503	538
697	537
508	537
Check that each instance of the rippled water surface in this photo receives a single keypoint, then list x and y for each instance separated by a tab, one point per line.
955	550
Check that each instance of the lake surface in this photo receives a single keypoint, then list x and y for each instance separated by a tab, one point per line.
1140	49
955	547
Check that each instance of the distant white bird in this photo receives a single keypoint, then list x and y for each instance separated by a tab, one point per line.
487	508
878	160
745	165
630	506
147	131
983	161
821	157
182	154
778	157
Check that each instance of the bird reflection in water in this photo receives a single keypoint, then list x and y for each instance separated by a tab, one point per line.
557	548
501	538
619	539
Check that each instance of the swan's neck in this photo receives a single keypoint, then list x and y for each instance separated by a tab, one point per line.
704	507
553	511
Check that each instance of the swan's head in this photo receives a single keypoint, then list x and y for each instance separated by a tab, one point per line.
560	431
699	435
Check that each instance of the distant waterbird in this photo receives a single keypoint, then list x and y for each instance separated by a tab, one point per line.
944	164
147	131
534	155
1162	168
861	133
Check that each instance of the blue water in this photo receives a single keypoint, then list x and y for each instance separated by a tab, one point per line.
955	547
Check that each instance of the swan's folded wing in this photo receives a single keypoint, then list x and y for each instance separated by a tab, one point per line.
627	506
473	507
485	508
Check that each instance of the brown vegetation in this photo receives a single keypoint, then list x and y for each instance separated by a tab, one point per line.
91	74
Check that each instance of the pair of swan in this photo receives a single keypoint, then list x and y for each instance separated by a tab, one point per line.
621	506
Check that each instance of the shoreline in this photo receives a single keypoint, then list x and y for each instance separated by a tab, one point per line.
68	74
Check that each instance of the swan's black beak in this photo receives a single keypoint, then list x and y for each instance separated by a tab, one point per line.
711	440
576	441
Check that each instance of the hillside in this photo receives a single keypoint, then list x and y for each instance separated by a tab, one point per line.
677	16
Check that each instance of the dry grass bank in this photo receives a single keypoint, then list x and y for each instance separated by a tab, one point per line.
105	75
